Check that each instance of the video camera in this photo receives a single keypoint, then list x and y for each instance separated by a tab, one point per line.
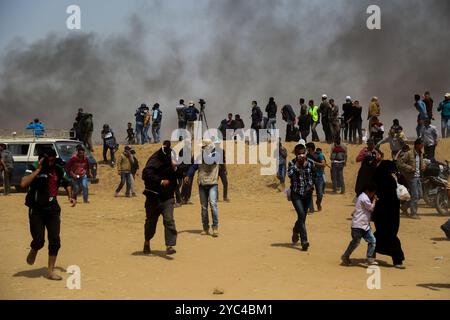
202	103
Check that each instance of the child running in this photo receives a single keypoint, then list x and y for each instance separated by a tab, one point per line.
361	225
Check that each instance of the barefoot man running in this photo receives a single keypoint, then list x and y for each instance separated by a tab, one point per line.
44	180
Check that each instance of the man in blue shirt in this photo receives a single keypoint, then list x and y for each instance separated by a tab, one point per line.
423	115
444	109
317	158
37	127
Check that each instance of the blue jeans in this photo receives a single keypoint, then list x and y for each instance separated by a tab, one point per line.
209	194
140	136
125	178
415	189
155	132
147	138
357	234
83	184
337	176
281	175
301	204
445	127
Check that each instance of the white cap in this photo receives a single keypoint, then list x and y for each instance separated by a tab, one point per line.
303	142
324	96
348	98
447	95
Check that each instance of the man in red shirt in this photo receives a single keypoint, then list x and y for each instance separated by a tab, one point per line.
78	170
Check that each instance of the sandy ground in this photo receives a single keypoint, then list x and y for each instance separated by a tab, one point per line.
252	258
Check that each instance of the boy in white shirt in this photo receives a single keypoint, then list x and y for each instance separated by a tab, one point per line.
361	225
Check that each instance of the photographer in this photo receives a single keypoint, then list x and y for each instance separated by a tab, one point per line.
300	171
191	113
44	180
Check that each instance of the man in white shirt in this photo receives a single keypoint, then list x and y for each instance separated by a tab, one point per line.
361	225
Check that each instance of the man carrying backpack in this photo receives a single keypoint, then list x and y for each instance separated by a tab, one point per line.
86	128
156	122
44	180
139	117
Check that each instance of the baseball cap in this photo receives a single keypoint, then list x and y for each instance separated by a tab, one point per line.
348	98
324	96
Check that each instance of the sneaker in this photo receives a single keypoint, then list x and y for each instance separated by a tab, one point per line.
116	194
170	250
215	232
134	195
146	249
205	232
371	262
319	208
295	238
226	200
400	266
31	257
416	217
177	205
346	260
305	246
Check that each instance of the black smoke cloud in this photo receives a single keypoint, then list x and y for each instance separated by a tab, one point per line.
241	51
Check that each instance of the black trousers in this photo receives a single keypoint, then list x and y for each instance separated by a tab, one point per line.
154	208
46	218
256	127
186	190
223	177
429	152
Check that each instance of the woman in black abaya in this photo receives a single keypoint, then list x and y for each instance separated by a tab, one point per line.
387	214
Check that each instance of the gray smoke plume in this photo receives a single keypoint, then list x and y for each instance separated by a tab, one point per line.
231	52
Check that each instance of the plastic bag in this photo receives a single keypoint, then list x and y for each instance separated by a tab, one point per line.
402	193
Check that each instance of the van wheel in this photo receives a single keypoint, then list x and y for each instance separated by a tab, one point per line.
20	189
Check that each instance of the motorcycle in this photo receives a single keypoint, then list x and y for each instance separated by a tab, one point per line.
434	186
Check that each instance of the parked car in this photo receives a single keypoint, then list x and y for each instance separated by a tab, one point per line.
26	151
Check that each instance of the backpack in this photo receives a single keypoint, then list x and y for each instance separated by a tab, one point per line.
190	114
88	124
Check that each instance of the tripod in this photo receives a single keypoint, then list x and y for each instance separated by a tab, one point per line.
203	117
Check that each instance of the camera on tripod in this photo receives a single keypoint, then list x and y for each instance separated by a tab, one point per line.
202	104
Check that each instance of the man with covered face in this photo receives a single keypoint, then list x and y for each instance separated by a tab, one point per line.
160	177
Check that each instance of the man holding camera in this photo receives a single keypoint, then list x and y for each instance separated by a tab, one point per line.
44	180
300	171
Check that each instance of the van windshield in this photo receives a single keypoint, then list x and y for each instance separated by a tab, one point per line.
66	149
